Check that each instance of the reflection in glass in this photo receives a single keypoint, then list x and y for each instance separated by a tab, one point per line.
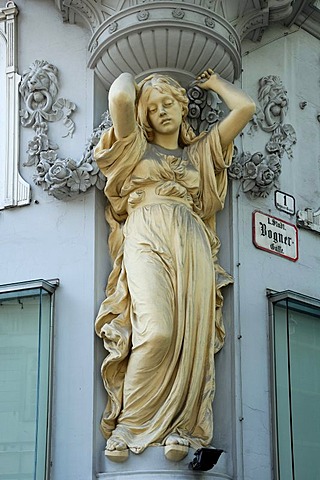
24	383
297	388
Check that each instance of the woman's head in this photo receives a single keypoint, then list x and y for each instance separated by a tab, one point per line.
166	86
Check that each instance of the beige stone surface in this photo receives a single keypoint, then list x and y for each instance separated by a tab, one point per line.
117	456
175	453
161	322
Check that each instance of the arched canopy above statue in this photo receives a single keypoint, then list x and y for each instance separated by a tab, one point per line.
166	37
180	38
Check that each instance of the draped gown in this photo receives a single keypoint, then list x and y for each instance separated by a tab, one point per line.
161	320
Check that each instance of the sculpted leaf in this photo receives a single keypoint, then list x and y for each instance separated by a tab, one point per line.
248	184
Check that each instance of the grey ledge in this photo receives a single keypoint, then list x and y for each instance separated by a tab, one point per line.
152	464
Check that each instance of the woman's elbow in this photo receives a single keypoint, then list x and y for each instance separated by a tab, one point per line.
250	109
121	99
246	112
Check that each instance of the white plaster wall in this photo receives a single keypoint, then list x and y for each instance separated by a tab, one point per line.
67	240
62	239
293	55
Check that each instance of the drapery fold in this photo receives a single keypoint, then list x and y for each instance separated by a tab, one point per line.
161	321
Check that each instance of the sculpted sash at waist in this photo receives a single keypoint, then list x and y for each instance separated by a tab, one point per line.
144	196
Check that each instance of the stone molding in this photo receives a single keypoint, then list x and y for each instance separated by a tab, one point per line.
173	37
253	24
166	37
142	36
89	11
309	219
99	10
279	10
14	191
249	21
152	463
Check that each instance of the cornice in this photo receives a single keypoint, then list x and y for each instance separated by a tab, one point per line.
253	22
309	24
171	37
88	10
279	10
9	11
142	36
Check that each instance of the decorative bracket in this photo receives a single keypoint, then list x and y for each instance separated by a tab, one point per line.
309	219
14	191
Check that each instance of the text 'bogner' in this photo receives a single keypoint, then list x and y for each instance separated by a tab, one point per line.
279	238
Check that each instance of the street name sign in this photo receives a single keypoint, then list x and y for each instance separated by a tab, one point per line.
275	235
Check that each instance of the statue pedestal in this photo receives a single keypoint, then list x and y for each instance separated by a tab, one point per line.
152	464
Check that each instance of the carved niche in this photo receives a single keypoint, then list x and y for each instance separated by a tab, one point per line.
259	172
177	38
14	191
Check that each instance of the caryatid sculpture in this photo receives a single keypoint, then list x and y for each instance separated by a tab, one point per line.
161	320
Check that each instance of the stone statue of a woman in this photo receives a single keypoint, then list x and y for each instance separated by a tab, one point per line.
161	321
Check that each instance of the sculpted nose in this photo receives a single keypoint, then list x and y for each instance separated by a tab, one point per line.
32	81
162	110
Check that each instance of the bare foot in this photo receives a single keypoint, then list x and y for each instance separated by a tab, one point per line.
115	443
175	439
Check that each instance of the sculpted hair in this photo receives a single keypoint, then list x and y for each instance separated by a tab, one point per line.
164	85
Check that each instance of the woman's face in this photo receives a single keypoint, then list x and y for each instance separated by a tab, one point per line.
164	112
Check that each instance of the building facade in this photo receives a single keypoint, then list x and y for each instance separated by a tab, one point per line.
58	60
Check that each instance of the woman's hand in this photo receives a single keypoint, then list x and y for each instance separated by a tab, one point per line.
207	79
241	106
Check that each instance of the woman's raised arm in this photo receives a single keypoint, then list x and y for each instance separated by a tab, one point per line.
241	106
122	96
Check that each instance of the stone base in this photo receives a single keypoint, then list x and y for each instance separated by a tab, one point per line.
117	456
175	453
152	464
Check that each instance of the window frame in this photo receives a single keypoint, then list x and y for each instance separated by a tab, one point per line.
273	298
49	286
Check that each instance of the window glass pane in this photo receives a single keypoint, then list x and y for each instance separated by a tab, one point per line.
24	354
282	389
305	392
43	387
297	388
